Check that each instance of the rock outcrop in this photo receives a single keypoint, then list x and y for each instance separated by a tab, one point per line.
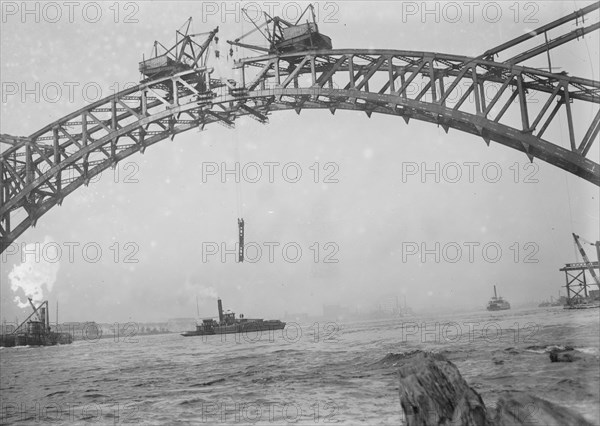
520	408
568	354
433	392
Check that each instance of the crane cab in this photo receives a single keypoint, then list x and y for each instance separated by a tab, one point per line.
298	38
285	37
161	66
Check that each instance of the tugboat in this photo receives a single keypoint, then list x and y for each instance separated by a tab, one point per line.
497	303
228	324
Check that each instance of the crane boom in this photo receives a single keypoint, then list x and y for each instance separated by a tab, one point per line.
588	264
35	310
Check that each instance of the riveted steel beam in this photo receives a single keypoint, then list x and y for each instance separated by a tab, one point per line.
38	172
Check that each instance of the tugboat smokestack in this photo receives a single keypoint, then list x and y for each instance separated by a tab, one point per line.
220	306
43	318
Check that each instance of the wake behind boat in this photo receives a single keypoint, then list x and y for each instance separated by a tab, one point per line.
229	324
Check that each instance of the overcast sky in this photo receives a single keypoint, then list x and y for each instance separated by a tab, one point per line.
158	211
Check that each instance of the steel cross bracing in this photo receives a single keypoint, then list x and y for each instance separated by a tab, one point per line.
489	99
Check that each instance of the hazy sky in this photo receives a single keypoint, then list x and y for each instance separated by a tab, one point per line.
158	211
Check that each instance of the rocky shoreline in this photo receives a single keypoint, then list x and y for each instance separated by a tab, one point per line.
433	392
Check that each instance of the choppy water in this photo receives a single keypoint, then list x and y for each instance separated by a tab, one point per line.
333	376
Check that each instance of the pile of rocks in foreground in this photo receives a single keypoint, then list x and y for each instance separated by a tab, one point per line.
433	392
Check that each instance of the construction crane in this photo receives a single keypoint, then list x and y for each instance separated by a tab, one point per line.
284	36
578	295
35	310
42	317
185	54
588	264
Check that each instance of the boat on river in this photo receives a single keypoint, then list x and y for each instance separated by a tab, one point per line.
229	324
497	303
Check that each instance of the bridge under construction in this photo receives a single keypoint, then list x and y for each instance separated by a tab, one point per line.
300	69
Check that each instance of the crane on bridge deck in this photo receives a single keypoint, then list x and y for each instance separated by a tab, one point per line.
284	36
186	54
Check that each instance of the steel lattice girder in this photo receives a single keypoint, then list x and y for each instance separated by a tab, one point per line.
37	172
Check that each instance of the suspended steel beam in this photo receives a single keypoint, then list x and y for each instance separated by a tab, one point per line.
579	32
541	30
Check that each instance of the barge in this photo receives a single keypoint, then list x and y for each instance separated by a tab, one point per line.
33	332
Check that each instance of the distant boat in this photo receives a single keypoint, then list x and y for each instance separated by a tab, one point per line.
558	302
497	303
229	324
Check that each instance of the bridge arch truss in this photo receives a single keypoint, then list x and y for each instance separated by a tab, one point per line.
492	100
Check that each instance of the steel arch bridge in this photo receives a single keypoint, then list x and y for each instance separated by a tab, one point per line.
476	95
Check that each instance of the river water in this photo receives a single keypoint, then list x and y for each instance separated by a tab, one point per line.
310	374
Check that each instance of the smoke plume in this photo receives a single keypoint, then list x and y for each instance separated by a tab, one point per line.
206	292
34	273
